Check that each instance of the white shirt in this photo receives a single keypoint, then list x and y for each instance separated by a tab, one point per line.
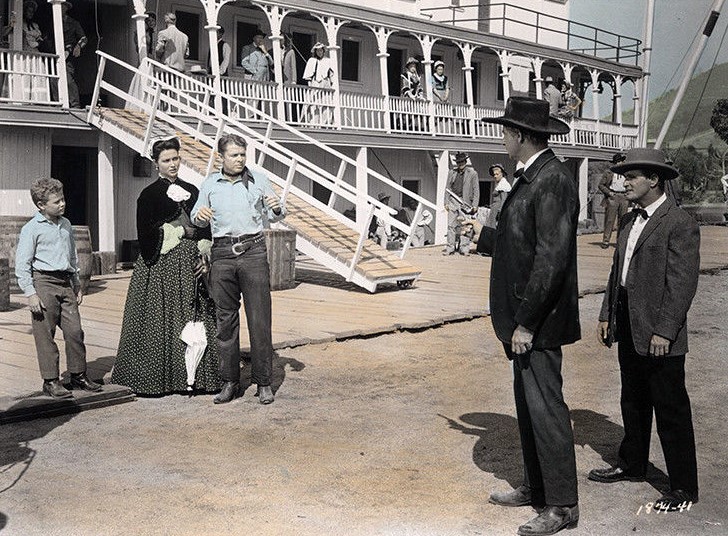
634	235
530	161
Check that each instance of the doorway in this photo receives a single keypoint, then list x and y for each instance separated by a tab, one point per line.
302	45
394	71
77	169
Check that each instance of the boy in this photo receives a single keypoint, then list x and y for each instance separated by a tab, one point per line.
47	272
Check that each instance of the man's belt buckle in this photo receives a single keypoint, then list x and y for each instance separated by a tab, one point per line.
241	247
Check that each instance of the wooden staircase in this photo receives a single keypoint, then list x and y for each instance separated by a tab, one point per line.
319	235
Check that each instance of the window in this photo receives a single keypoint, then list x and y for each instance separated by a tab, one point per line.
189	24
350	60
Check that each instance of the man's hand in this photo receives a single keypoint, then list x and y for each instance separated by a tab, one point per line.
521	342
202	266
79	297
659	346
204	214
273	203
76	51
36	306
603	332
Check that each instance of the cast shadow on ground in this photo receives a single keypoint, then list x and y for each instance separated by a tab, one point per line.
3	520
16	454
603	436
278	373
498	448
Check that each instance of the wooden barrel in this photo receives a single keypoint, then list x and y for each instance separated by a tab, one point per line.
84	252
4	285
10	227
281	244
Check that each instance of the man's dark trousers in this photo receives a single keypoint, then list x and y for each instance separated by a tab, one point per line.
654	383
547	439
231	275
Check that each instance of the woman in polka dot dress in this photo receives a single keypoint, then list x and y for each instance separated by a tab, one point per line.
162	297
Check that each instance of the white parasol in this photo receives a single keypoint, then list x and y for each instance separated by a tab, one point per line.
195	337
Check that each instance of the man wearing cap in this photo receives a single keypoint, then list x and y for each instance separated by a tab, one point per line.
463	182
552	96
172	45
652	283
615	201
256	60
534	309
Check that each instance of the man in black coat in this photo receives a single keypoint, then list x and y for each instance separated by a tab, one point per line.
534	308
652	283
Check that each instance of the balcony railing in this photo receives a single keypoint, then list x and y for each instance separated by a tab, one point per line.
528	24
312	107
28	77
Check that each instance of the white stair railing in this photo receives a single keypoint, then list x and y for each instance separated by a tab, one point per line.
172	104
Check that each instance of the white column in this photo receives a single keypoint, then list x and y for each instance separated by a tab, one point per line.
583	189
106	219
467	51
504	56
17	42
382	34
212	28
139	17
334	55
443	168
618	98
60	51
362	185
595	94
275	16
537	65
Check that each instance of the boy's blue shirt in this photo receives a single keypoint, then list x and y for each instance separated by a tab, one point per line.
47	246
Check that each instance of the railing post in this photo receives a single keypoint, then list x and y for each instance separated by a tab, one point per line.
152	117
206	102
289	181
264	145
364	232
413	226
218	135
97	89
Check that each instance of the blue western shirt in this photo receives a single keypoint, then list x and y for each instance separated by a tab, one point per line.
47	246
238	206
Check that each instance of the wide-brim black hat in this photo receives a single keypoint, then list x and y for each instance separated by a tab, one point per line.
529	114
649	160
461	157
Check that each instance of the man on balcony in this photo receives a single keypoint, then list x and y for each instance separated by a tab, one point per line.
552	96
74	39
172	45
256	60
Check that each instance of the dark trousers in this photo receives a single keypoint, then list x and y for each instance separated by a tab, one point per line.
616	208
655	384
231	276
61	310
544	423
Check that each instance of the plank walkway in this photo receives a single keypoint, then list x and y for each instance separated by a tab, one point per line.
323	307
313	225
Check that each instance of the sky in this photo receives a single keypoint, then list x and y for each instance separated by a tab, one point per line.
677	23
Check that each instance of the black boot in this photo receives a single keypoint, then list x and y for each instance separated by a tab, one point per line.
54	388
81	381
229	392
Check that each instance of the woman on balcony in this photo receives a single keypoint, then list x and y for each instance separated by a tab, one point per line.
439	84
29	87
319	73
164	292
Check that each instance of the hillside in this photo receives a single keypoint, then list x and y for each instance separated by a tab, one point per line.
700	134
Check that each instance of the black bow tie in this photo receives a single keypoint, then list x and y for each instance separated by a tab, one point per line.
640	212
519	173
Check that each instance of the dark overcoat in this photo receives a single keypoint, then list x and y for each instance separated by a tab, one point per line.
661	281
533	280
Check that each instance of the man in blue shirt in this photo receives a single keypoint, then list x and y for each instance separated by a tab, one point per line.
47	271
238	203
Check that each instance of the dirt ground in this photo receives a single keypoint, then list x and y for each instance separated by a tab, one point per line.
401	434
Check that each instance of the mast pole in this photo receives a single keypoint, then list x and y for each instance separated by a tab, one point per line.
646	62
708	27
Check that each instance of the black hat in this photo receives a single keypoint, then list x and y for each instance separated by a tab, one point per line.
461	157
647	159
259	31
529	114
